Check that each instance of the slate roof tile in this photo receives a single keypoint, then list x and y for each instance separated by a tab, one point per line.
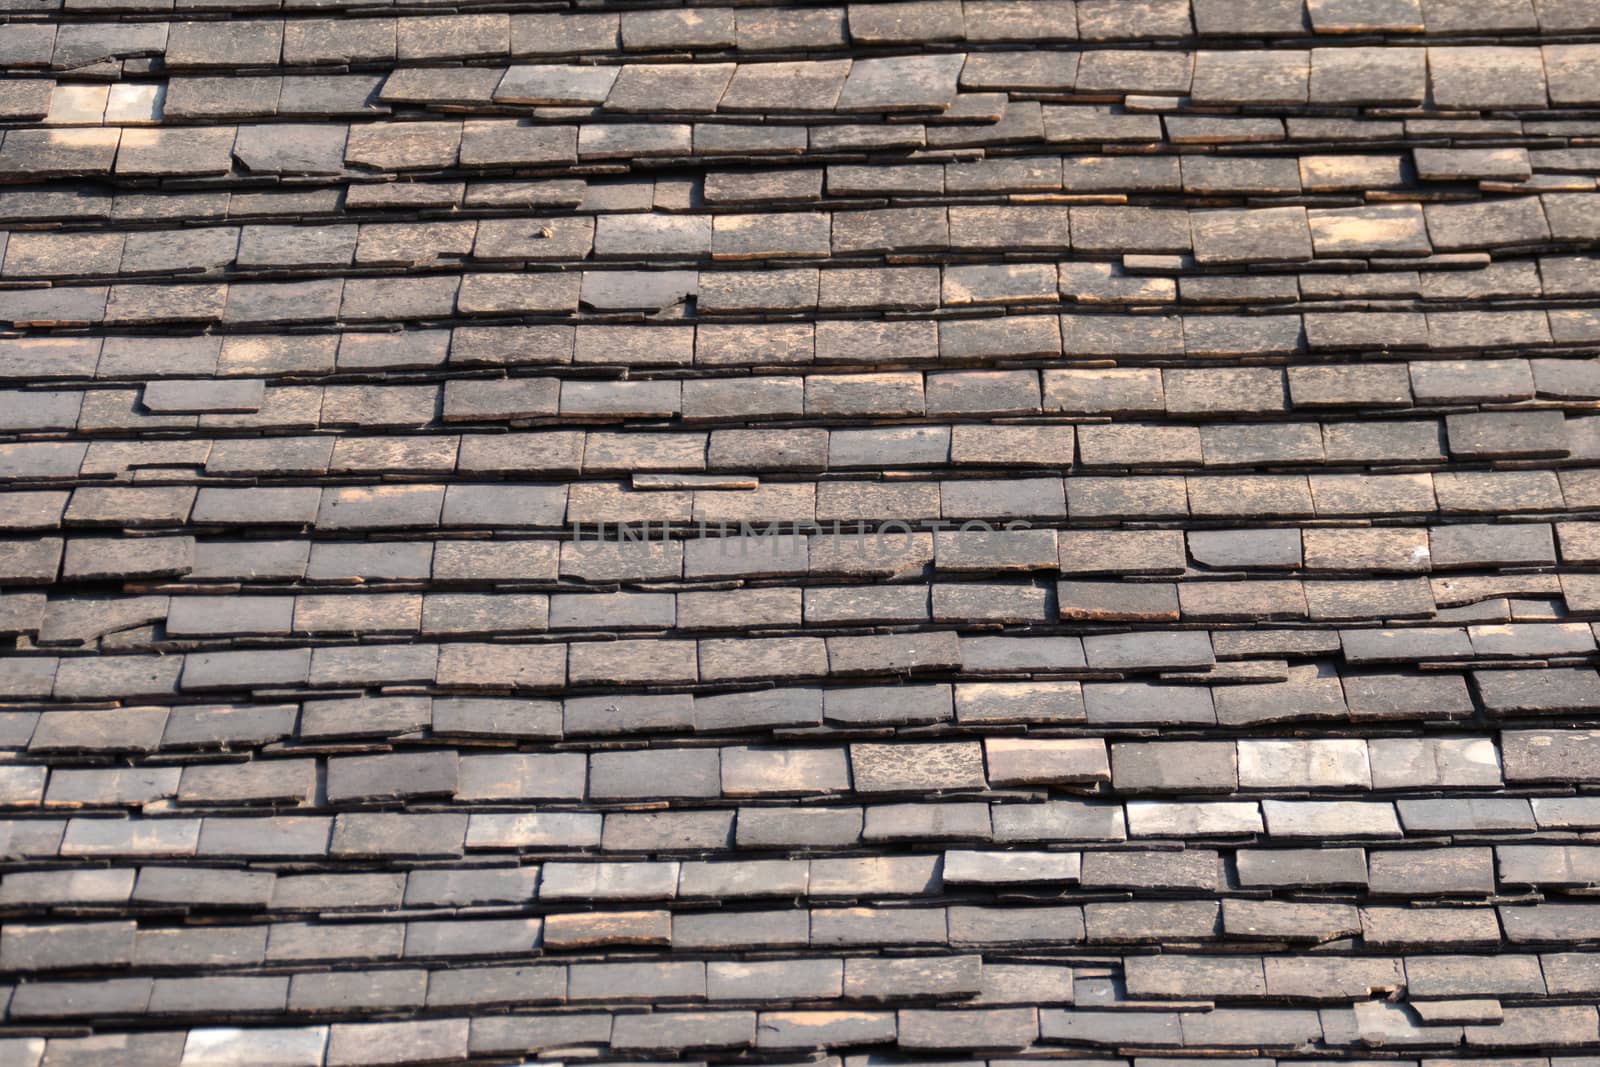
769	31
640	87
1261	77
909	83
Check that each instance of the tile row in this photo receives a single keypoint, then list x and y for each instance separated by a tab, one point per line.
154	891
1274	845
613	298
303	41
723	350
1450	78
1217	237
792	510
299	40
925	1031
1132	768
1455	871
1432	847
665	461
206	619
1061	928
910	1031
1244	694
1191	559
1325	168
1253	683
371	142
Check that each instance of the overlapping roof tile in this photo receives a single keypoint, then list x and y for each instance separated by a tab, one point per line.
951	530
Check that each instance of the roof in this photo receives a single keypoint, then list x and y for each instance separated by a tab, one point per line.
937	531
